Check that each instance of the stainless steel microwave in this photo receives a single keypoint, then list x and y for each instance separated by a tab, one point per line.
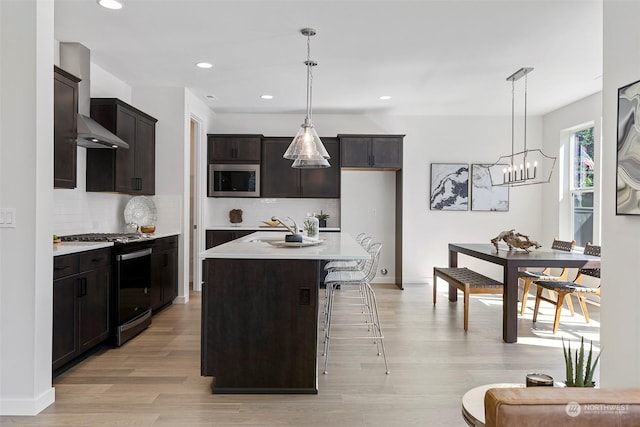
227	180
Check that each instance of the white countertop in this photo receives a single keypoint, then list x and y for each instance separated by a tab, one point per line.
336	246
66	248
260	228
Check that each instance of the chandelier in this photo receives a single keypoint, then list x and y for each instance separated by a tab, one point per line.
526	167
307	149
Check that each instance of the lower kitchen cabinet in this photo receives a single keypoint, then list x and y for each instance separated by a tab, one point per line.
81	303
218	237
164	272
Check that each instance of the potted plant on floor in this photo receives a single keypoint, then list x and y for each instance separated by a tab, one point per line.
322	218
582	376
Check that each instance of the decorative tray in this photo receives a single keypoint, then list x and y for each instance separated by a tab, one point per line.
283	244
271	224
140	210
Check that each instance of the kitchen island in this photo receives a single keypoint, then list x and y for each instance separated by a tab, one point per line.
260	312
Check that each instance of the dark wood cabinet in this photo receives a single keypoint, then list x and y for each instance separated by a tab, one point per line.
260	325
81	304
371	151
129	171
65	321
93	325
279	179
233	148
65	123
164	272
218	237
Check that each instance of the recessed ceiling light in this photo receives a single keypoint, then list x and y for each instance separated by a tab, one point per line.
110	4
385	97
203	65
266	96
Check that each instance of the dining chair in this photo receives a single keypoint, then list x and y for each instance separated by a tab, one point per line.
531	277
564	289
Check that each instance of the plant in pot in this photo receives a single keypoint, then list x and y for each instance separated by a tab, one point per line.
322	218
582	376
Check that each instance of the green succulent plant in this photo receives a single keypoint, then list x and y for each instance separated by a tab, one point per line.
322	215
582	375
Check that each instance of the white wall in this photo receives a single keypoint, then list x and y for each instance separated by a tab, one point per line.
556	216
620	317
202	118
174	108
168	105
372	211
428	140
26	178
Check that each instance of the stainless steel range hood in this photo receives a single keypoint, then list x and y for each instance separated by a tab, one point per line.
75	58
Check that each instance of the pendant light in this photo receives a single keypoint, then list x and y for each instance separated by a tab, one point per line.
527	167
307	149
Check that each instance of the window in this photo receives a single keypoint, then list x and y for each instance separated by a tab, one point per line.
582	168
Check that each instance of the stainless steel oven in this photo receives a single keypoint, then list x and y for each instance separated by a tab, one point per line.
228	180
132	299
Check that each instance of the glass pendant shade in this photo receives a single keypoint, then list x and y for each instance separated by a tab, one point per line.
306	144
307	149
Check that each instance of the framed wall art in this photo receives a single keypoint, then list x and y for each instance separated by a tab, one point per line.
484	196
628	151
449	186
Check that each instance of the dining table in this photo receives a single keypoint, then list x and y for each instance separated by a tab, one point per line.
512	260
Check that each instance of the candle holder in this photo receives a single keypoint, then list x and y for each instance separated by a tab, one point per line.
539	380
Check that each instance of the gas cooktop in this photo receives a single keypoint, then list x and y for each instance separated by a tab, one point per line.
105	237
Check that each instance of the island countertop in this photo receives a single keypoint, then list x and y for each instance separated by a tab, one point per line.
335	246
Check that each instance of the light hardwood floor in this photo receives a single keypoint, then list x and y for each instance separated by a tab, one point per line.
154	380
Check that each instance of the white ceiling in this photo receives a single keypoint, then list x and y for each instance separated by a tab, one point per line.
433	57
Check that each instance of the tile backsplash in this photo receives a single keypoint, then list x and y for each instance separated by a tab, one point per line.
76	212
255	210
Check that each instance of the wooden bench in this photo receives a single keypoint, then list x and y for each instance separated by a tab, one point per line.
469	282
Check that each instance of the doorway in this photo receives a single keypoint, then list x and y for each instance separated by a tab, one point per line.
195	206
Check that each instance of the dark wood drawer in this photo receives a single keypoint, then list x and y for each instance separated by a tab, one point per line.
65	265
95	259
165	243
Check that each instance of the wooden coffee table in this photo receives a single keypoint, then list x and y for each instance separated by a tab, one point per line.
473	402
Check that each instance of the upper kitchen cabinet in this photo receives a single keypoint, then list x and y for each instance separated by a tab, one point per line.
119	170
371	151
65	121
279	179
234	148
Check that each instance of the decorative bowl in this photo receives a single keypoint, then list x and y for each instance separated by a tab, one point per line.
147	228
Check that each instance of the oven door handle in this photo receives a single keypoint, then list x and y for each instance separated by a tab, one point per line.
133	255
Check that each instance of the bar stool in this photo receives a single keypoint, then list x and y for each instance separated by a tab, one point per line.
349	265
365	242
356	282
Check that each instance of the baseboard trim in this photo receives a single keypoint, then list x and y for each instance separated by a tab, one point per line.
28	407
181	300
